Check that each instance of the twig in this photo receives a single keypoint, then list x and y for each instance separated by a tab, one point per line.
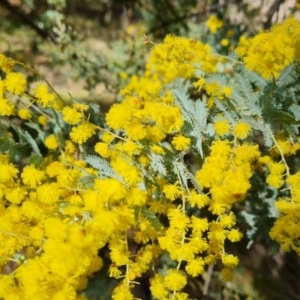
17	13
207	280
202	10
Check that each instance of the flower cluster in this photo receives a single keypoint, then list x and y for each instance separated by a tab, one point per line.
262	55
57	214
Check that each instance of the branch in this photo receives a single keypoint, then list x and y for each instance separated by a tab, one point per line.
273	9
203	9
19	14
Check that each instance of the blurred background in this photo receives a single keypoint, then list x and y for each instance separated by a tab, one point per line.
90	49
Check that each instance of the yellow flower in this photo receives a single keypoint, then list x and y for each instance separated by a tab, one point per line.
228	221
15	83
227	91
44	97
224	42
71	115
275	181
157	287
199	224
102	149
221	127
113	271
234	235
172	191
51	142
198	199
122	292
24	114
213	88
6	108
181	142
32	176
8	172
200	83
175	280
82	133
48	193
16	195
241	130
136	197
195	267
230	261
213	24
6	64
43	120
135	131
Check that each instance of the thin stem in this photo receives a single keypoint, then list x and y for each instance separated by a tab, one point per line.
40	76
183	236
228	58
282	158
207	280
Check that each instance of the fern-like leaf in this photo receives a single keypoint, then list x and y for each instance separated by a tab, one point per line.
105	170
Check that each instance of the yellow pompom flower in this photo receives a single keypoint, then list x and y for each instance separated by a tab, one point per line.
157	287
71	115
8	172
213	24
227	91
242	130
82	133
44	97
43	120
6	64
135	131
48	193
32	176
175	280
230	261
16	195
224	42
122	292
15	83
275	181
234	235
6	108
51	142
172	191
102	149
181	142
25	114
195	267
198	199
221	127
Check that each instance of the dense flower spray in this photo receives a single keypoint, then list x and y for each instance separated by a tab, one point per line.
57	214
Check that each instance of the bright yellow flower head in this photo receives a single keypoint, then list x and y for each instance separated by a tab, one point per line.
25	114
15	83
213	23
32	176
221	127
71	115
175	280
181	142
51	142
6	108
6	65
241	130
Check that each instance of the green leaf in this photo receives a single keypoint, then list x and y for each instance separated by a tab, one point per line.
152	218
32	142
35	159
86	182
